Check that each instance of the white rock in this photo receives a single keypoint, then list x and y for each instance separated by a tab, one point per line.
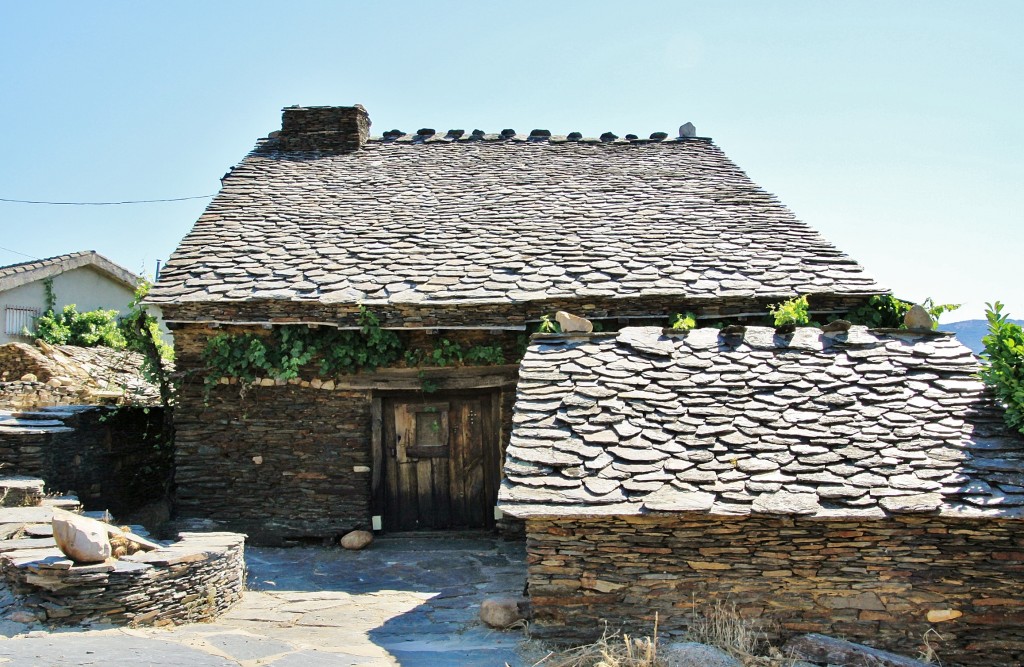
356	540
918	318
943	615
80	538
501	612
28	377
571	323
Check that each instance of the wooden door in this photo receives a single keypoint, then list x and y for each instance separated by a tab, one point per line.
440	462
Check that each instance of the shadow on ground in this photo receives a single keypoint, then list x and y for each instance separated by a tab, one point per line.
409	600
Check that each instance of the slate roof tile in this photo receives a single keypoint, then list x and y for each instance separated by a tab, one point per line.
927	440
499	221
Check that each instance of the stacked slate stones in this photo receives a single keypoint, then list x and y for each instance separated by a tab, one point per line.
847	424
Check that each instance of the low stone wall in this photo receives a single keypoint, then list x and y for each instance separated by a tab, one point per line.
884	583
23	395
195	579
21	491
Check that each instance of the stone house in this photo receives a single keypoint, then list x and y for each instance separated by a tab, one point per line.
87	279
450	239
856	483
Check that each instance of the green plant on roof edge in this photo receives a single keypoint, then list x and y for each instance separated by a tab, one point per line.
885	311
683	321
549	325
793	312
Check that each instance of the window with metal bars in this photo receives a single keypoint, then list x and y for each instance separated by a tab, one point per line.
19	319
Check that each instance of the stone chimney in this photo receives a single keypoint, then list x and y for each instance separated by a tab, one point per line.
323	128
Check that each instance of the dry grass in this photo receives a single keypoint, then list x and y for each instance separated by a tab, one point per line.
927	652
121	546
611	650
720	624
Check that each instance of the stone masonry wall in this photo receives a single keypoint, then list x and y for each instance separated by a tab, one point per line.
111	459
876	582
485	315
193	580
24	395
277	460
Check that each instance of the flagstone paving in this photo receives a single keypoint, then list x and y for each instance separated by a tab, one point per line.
409	601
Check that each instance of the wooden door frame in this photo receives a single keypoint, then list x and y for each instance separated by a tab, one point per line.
492	451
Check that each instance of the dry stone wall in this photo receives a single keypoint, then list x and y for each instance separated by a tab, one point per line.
279	461
193	580
111	459
26	395
881	582
41	375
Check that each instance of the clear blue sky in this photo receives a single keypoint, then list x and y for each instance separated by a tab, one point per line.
894	128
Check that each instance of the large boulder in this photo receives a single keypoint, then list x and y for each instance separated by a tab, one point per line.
80	538
503	612
918	318
570	323
356	540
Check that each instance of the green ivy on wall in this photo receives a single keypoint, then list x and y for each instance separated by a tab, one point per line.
282	353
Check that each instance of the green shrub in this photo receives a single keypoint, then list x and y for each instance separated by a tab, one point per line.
795	311
88	329
137	339
548	324
1004	370
683	321
887	312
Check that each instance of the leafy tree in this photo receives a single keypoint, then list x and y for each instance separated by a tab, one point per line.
1004	372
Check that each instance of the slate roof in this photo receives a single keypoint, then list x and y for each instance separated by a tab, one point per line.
857	424
14	275
486	219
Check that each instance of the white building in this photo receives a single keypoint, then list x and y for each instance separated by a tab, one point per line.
86	279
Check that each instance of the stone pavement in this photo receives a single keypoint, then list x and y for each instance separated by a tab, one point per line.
411	601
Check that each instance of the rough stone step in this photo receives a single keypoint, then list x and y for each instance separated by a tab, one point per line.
69	503
30	423
41	514
27	543
20	491
32	415
21	482
46	429
38	529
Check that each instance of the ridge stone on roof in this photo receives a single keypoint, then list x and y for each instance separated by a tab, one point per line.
829	425
446	220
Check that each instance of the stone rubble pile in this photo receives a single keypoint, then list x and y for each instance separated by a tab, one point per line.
47	375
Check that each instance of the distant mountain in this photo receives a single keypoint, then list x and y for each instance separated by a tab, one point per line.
970	332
